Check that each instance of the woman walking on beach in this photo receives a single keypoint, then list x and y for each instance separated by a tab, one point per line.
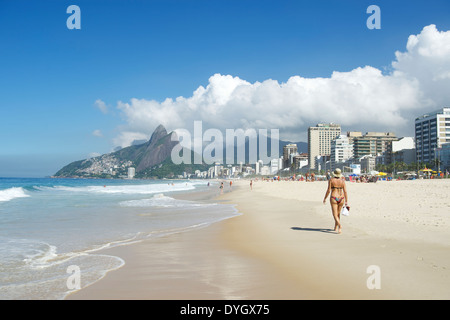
338	190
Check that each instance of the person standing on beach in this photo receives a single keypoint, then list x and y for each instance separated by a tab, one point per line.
338	197
251	184
221	187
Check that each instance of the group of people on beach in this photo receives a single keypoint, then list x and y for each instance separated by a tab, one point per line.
222	186
366	178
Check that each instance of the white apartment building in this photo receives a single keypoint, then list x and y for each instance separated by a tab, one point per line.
276	165
404	150
258	166
131	172
319	141
341	150
432	130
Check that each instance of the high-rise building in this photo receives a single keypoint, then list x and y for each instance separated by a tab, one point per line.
131	172
300	160
372	143
368	163
403	150
275	165
432	131
352	135
319	141
341	150
258	166
287	151
444	157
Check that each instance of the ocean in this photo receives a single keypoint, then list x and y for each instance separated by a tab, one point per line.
49	226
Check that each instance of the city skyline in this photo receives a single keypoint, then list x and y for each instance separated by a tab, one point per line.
70	94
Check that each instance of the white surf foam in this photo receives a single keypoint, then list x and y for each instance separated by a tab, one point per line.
126	189
160	200
12	193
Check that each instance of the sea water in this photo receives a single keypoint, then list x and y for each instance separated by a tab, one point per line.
48	225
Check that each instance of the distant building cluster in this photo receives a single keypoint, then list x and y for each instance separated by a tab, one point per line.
357	152
362	153
107	165
328	148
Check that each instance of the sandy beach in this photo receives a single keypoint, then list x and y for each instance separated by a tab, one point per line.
282	246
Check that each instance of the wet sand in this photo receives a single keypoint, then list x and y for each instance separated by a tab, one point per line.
282	246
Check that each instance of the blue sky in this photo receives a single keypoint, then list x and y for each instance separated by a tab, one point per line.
50	76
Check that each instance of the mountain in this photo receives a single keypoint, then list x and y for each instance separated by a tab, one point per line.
150	159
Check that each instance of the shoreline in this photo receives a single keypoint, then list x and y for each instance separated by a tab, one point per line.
282	247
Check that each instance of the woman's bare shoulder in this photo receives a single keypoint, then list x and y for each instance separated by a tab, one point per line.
337	182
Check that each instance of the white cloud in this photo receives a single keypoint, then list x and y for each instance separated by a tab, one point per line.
125	138
97	133
361	99
101	106
427	60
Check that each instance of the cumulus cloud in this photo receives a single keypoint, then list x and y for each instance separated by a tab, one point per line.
362	99
427	60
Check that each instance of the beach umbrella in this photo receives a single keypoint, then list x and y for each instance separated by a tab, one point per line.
373	172
382	173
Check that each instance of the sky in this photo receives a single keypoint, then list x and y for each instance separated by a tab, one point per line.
69	94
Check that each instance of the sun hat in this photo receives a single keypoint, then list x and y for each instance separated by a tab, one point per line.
337	173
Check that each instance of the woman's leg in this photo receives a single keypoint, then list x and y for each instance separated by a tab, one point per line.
340	205
336	215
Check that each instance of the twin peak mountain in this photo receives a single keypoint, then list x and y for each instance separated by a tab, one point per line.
151	159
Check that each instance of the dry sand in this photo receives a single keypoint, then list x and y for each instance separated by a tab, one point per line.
283	247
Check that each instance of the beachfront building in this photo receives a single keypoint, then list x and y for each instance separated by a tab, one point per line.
340	150
432	132
351	135
258	166
210	173
368	163
443	154
265	171
348	167
131	172
319	141
288	150
371	143
300	160
403	150
217	169
276	165
322	163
